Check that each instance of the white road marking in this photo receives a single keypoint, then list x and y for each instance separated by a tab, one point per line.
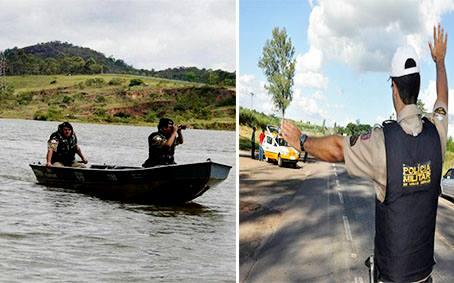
341	198
358	279
348	232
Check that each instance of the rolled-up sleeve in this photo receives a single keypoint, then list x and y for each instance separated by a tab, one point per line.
365	156
439	118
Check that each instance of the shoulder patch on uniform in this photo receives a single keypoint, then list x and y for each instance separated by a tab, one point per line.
353	140
158	140
441	111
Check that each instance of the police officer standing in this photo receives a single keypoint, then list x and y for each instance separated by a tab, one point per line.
62	147
161	144
404	159
253	143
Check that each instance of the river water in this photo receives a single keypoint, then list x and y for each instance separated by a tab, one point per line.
53	235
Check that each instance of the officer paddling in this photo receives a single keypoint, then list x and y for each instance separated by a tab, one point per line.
404	160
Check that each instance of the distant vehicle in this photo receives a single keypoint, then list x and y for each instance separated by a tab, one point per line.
447	183
277	150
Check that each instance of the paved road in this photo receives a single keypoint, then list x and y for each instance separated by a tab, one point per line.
315	224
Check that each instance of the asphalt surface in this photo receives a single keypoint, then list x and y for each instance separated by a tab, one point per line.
316	224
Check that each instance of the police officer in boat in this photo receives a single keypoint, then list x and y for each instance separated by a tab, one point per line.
62	148
161	144
404	160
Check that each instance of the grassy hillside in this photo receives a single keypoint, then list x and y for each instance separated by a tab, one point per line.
111	98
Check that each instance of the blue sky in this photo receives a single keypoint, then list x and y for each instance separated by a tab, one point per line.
343	51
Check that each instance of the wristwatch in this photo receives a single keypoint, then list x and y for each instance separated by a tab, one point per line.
303	139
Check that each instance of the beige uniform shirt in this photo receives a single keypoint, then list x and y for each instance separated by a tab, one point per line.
365	155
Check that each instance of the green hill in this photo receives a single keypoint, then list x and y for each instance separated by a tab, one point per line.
55	57
117	98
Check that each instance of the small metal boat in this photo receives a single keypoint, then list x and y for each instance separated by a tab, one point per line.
176	183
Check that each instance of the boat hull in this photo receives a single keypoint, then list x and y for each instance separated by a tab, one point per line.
160	184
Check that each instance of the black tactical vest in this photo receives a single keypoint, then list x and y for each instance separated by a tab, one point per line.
66	150
405	221
158	155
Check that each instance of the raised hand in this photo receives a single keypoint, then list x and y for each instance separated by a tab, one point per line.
291	134
438	49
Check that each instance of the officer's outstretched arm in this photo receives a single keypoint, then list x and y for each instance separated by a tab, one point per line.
329	148
438	52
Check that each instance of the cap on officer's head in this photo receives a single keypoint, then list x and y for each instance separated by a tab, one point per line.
405	62
165	122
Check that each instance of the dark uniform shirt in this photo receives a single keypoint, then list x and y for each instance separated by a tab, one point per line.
64	148
158	154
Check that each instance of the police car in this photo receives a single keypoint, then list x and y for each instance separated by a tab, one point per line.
277	150
447	183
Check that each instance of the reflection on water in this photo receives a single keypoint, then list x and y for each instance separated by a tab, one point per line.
54	235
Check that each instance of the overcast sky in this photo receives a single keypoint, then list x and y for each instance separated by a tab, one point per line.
343	51
146	34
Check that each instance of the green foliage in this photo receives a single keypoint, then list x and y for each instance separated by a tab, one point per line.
40	116
24	98
278	64
91	67
96	82
151	117
450	145
101	112
190	104
52	114
252	118
122	115
116	81
354	129
421	107
64	58
135	82
227	101
100	99
67	99
6	92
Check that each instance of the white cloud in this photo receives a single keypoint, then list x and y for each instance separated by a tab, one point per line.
365	34
260	101
308	70
147	34
303	107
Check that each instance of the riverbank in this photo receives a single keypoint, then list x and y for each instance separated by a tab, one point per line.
118	99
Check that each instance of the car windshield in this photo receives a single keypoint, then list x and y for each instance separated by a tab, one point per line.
281	142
